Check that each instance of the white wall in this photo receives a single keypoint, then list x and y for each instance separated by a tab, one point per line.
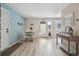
36	26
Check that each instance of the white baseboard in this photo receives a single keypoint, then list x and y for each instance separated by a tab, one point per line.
16	42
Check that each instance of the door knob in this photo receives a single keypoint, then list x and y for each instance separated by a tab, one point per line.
7	30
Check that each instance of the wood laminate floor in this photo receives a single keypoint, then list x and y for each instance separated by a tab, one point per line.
39	47
10	50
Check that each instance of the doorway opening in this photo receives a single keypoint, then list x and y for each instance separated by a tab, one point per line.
43	29
49	28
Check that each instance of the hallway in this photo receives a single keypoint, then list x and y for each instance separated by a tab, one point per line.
39	47
39	21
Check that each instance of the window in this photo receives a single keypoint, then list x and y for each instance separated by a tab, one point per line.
58	24
49	25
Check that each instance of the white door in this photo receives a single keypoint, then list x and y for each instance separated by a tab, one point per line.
43	29
5	17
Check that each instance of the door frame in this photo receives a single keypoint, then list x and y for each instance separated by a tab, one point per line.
40	29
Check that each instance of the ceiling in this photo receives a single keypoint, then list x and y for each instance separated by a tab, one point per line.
38	10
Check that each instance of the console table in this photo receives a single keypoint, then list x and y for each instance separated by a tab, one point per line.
69	39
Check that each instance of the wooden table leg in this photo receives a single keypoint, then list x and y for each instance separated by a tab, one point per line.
77	47
56	39
68	47
61	40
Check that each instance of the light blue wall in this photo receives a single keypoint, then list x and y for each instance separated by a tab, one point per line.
16	31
